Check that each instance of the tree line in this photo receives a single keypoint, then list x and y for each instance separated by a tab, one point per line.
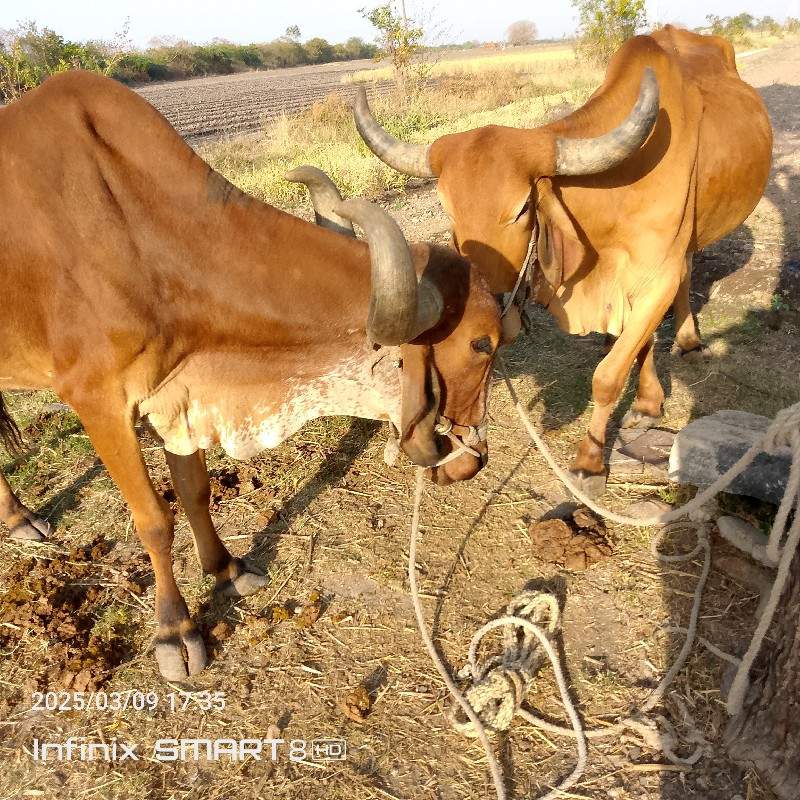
603	25
29	54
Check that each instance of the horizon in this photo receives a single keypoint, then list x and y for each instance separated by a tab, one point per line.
248	22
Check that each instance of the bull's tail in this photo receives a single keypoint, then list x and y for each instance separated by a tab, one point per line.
9	432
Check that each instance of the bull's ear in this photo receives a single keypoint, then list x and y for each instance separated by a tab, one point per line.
420	398
420	404
559	250
510	325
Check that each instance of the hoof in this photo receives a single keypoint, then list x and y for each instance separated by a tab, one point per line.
694	355
172	664
592	486
248	580
638	419
34	529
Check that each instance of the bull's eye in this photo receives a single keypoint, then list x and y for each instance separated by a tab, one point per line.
523	211
482	345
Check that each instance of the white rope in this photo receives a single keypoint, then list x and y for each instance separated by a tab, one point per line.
500	686
741	683
531	251
774	434
497	776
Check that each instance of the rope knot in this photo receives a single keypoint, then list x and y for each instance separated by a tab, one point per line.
500	685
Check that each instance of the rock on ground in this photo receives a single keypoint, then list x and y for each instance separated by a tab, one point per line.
707	447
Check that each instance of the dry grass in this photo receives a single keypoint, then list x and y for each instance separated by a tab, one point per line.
526	63
755	40
326	137
343	530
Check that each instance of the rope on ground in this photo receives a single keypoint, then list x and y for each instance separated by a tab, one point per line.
500	686
497	775
773	438
789	433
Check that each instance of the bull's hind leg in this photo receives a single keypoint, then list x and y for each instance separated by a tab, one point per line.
609	378
687	339
646	409
21	521
234	577
114	439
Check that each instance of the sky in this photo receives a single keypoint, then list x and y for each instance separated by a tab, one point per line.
245	21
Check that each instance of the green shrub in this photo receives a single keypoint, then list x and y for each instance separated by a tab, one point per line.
30	55
603	25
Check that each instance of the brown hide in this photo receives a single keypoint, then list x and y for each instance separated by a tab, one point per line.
712	132
124	257
136	281
614	247
559	251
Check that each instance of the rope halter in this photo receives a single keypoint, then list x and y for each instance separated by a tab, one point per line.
464	437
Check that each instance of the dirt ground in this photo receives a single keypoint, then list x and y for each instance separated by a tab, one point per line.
329	523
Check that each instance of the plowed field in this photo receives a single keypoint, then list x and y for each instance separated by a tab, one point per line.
209	108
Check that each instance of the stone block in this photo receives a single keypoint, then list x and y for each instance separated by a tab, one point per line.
707	447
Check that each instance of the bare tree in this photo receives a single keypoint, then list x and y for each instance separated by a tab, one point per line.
521	32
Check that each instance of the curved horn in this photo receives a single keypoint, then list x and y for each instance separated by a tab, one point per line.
411	159
324	196
400	308
589	156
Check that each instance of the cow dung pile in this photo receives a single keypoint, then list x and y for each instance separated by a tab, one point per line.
67	603
576	541
226	483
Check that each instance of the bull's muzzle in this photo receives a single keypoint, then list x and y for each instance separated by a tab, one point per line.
453	453
462	468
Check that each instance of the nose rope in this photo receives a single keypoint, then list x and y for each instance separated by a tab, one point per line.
475	435
530	256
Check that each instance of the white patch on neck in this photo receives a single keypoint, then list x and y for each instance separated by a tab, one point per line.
358	386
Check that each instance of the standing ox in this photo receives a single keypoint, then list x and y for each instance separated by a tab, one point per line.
137	282
616	200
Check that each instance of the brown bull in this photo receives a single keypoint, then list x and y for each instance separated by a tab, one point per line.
616	200
137	282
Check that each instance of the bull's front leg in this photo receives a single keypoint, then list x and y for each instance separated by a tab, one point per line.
110	428
635	341
21	521
234	577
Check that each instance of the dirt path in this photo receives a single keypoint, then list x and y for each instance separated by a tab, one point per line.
324	513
